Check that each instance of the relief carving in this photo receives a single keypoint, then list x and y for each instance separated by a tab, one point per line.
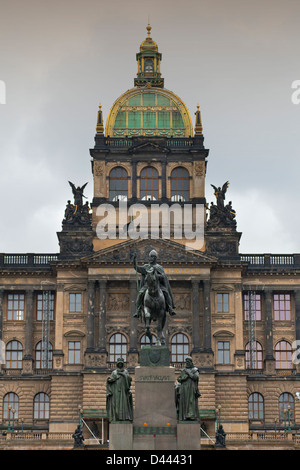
182	301
199	169
117	302
98	168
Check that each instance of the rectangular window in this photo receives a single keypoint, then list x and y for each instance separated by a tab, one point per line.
134	120
74	352
135	100
223	303
282	307
163	101
75	303
120	121
252	305
149	120
223	352
15	306
163	120
177	121
149	99
45	304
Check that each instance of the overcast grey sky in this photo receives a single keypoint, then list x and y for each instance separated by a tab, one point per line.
236	58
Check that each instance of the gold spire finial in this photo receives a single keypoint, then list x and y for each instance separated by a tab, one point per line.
100	127
198	124
149	29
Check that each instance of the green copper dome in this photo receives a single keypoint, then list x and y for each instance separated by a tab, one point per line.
151	112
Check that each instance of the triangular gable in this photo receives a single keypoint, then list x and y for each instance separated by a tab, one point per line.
148	147
169	252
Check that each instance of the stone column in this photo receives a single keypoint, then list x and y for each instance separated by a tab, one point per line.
297	321
29	323
297	313
2	348
28	357
133	349
2	291
134	181
239	355
269	359
58	354
207	316
90	333
164	181
102	318
206	357
196	316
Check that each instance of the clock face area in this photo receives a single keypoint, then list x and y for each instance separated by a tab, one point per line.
149	112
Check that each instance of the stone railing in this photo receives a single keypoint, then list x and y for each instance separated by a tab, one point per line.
36	435
172	142
8	260
271	260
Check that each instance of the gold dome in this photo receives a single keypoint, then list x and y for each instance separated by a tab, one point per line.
149	111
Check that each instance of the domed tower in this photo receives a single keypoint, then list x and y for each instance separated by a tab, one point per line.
149	155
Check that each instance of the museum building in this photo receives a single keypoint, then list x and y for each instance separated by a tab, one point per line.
66	317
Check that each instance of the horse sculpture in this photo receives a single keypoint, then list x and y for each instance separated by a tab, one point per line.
154	306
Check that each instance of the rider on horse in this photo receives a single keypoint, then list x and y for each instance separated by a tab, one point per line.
163	281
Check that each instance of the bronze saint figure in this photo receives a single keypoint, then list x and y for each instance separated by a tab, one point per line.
118	394
187	392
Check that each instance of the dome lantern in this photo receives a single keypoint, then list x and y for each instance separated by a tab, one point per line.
148	60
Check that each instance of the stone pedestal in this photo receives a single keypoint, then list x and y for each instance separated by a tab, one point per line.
155	412
188	435
154	396
120	435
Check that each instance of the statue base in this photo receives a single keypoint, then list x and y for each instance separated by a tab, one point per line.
188	435
120	435
154	396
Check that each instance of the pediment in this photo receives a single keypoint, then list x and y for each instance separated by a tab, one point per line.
223	334
148	147
169	253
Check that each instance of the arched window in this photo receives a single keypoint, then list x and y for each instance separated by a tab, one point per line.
180	184
256	406
43	359
118	184
14	354
41	406
117	347
179	347
283	355
145	341
286	407
149	184
149	65
10	404
254	356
